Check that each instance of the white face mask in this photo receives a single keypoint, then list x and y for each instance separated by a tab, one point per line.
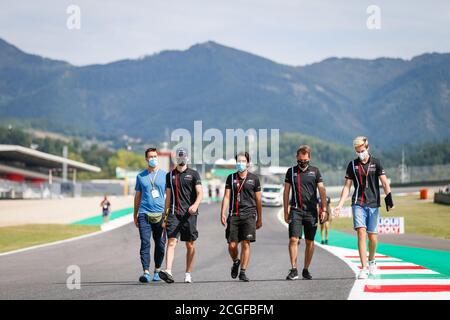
362	155
181	161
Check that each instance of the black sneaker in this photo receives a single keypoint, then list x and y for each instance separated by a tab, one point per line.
166	276
326	242
306	275
243	277
235	268
293	274
322	242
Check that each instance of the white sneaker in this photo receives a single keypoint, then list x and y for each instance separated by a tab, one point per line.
187	278
372	267
363	274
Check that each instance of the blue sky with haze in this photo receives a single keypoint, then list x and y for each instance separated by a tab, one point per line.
287	31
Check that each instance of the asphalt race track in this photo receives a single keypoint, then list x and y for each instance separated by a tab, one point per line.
110	268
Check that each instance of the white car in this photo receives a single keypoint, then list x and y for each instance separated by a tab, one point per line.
272	195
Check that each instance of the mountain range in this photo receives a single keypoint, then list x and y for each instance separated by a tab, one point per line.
392	101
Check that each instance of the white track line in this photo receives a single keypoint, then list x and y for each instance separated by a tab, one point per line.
406	296
381	282
420	271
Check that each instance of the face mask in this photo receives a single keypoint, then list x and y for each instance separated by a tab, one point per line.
181	162
241	167
303	163
362	155
153	162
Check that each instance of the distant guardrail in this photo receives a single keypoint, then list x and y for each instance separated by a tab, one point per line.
44	190
410	175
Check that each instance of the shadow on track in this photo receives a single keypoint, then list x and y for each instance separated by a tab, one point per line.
136	283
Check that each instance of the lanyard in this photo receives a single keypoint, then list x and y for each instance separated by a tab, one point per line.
366	174
152	181
177	193
239	188
298	189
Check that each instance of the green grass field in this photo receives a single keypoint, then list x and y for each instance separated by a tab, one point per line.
421	217
17	237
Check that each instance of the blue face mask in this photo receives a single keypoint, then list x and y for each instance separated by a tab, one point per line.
153	162
241	167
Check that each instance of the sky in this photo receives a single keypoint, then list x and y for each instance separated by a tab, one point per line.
294	32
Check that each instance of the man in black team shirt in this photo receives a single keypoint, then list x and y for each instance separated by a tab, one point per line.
365	173
183	196
243	199
301	210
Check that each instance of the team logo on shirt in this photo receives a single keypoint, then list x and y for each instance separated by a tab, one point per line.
308	173
372	167
249	236
251	182
188	177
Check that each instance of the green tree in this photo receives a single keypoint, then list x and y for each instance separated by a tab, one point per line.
126	160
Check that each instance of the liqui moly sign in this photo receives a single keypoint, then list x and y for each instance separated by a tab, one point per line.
391	225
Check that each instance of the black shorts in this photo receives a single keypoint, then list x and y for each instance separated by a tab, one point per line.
240	228
184	227
307	220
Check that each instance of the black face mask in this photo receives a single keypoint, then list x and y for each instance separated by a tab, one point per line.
303	163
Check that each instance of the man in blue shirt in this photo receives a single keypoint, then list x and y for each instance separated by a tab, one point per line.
148	212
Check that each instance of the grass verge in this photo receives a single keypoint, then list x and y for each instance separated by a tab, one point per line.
421	217
18	237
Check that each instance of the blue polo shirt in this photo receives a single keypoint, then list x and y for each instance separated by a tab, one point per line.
143	184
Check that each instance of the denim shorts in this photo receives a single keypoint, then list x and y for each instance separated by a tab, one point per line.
365	217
